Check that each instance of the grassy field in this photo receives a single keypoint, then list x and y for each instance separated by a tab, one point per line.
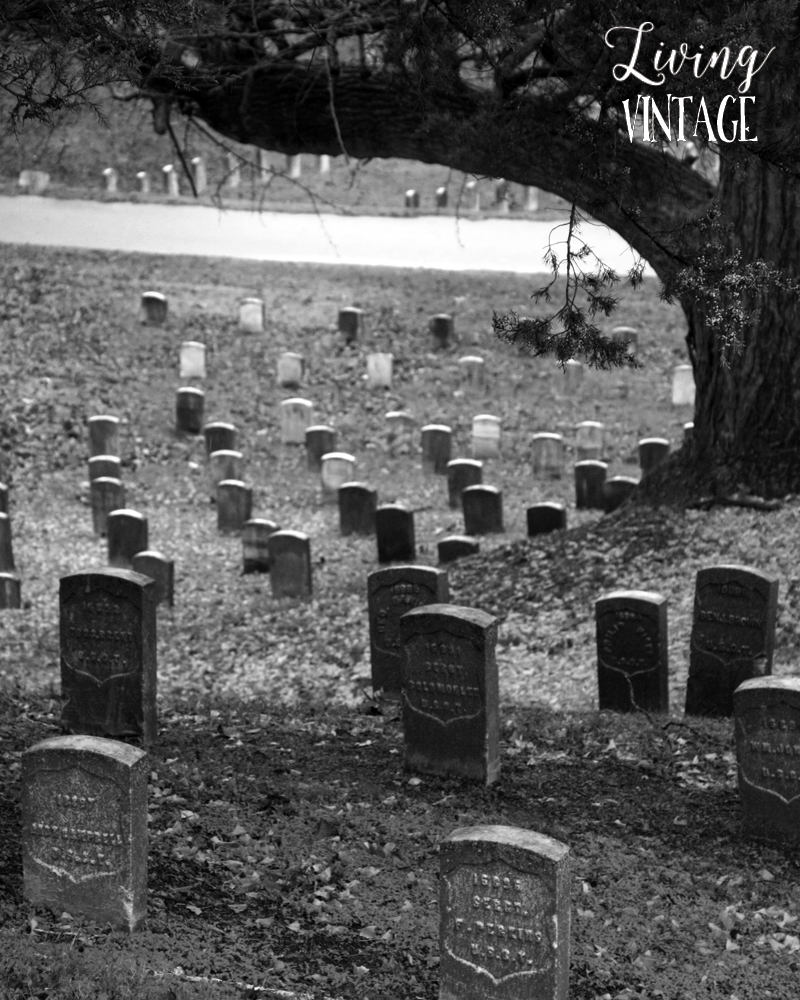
288	846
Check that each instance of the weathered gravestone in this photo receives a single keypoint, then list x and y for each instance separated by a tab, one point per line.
291	368
461	473
390	593
336	469
192	359
251	315
589	440
616	491
320	440
143	179
632	651
626	335
450	692
412	198
688	432
154	307
351	324
234	505
199	174
289	564
573	376
767	728
590	477
108	654
219	436
652	452
504	915
733	635
473	371
6	552
379	370
357	506
255	544
486	432
296	416
483	510
223	465
441	197
161	571
394	533
111	178
442	329
547	453
106	495
169	178
456	547
103	435
10	592
126	531
436	446
189	404
104	466
84	828
399	431
544	517
683	388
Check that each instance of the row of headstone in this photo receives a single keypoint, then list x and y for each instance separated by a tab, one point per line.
471	197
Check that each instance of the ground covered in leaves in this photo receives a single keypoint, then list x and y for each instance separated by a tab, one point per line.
289	847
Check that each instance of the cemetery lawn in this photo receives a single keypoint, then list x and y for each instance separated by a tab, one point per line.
289	847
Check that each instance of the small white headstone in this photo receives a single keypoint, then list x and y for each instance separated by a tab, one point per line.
143	179
296	415
290	370
338	468
251	316
171	186
485	436
683	386
234	178
199	174
473	370
193	360
111	177
324	164
379	371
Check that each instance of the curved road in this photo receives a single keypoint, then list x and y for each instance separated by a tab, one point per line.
436	242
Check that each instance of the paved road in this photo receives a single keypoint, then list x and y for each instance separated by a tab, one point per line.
427	241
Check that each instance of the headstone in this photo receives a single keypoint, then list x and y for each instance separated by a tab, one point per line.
590	477
289	564
320	440
108	654
442	330
199	174
531	198
161	571
192	360
390	593
683	386
573	376
296	415
473	371
84	828
234	505
219	436
456	547
351	324
189	403
441	197
223	465
10	592
264	168
379	371
33	181
652	452
6	553
589	436
483	510
234	177
154	306
436	447
628	335
103	436
545	517
107	466
733	635
126	530
461	473
143	179
251	316
111	177
357	506
394	531
767	729
485	436
450	692
473	196
255	544
616	491
170	180
294	166
399	432
291	368
337	468
106	495
504	915
688	432
632	672
548	455
324	164
3	498
412	198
